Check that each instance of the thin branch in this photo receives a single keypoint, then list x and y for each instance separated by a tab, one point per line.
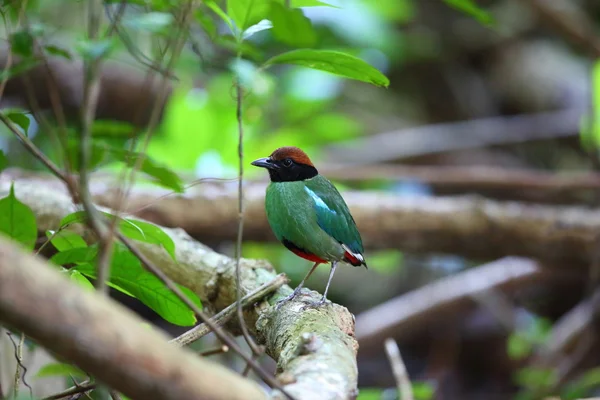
240	231
78	388
20	366
225	315
217	350
91	92
399	369
35	151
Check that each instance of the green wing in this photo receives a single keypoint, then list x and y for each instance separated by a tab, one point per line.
333	215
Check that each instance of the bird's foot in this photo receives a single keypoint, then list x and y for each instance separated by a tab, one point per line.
295	293
315	304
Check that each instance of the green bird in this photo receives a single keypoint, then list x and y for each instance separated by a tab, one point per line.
308	215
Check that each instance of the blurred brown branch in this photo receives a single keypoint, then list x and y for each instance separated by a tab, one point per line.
409	313
565	17
122	89
519	183
453	136
467	225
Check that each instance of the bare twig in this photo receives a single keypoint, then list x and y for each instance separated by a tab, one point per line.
78	388
20	366
399	369
91	91
225	315
35	151
240	231
211	352
575	26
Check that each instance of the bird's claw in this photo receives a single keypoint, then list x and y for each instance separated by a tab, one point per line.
295	293
315	304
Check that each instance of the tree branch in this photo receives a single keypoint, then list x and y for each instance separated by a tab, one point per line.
407	314
212	277
455	225
104	338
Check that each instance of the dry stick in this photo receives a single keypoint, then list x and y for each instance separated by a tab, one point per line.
33	149
399	369
219	332
19	357
79	388
20	365
91	92
225	315
211	352
238	245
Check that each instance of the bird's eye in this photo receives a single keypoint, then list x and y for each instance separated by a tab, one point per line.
287	162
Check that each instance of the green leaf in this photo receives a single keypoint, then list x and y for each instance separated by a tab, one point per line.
97	154
217	10
469	7
21	43
518	346
536	378
206	23
335	62
19	68
17	220
128	273
19	118
154	22
95	49
291	27
261	26
246	13
147	233
423	390
73	218
3	160
58	51
309	3
582	386
60	369
65	240
77	255
160	174
80	280
111	128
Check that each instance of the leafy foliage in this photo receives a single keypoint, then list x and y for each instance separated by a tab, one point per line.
60	369
334	62
17	221
127	273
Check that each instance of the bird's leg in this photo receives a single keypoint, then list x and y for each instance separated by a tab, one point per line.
324	298
296	291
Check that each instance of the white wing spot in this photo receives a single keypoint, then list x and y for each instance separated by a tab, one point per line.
358	256
318	201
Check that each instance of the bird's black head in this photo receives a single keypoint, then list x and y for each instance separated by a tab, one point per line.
287	164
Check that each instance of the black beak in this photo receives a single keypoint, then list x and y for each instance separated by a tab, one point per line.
264	163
